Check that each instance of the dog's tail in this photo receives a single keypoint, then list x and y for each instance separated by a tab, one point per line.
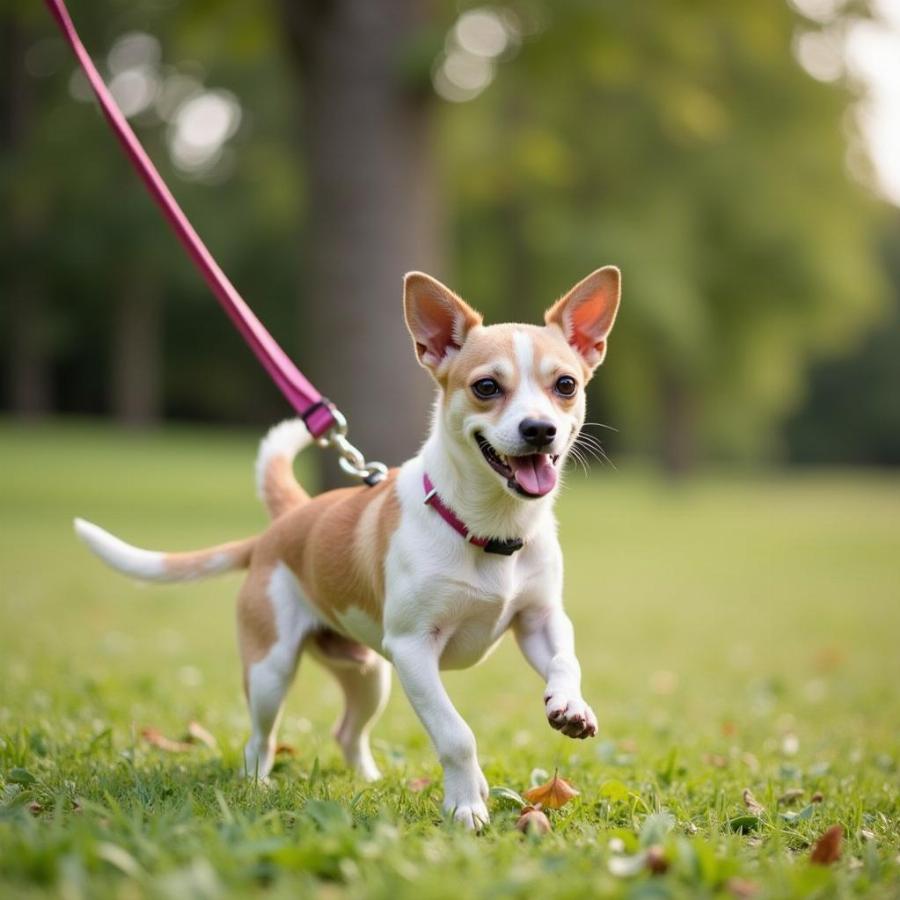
276	485
150	565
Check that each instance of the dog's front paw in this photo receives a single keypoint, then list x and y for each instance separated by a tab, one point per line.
572	716
465	799
473	816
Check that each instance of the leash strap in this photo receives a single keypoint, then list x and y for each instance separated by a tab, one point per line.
318	414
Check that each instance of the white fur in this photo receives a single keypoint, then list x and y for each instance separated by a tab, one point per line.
148	565
447	605
269	679
286	440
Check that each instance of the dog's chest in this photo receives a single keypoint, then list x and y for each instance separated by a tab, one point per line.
474	608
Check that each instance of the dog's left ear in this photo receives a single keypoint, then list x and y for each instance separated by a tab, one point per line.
586	314
437	319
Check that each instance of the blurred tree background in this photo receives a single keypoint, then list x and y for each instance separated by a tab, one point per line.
322	149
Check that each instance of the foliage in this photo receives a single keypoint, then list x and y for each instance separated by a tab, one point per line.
719	650
850	413
680	140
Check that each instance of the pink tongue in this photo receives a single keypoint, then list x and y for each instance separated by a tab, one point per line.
534	474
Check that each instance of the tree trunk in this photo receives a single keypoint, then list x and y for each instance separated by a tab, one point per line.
29	377
373	214
678	449
135	376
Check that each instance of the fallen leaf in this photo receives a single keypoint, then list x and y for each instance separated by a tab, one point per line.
507	793
655	828
741	887
827	659
656	861
196	732
816	797
752	803
828	847
285	750
715	759
418	784
790	796
553	794
533	821
805	813
21	777
155	737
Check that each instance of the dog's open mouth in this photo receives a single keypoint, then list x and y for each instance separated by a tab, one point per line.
533	475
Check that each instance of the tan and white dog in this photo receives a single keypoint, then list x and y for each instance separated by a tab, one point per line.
432	566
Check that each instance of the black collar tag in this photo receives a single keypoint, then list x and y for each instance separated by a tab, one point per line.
504	548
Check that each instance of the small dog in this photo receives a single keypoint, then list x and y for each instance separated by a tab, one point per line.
431	567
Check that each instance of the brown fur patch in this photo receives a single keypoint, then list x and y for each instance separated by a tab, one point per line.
257	631
201	562
336	545
485	346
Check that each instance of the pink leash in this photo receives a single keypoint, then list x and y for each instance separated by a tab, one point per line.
322	419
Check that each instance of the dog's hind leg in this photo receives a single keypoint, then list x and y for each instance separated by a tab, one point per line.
365	679
273	622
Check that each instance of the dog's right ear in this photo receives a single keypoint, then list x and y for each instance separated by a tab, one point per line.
437	319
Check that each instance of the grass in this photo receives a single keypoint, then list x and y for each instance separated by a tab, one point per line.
735	632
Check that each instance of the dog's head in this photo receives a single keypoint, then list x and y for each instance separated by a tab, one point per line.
512	396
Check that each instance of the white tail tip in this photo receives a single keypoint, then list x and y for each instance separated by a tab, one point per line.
148	565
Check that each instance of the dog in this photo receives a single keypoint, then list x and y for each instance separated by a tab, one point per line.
429	568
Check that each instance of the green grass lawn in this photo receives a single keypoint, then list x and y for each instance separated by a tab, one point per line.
736	631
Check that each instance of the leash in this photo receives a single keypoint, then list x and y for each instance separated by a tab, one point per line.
324	421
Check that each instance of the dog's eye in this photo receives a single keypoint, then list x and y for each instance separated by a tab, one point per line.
485	388
566	386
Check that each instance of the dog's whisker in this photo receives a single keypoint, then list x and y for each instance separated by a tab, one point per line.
579	459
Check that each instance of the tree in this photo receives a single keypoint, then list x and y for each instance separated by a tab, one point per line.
683	142
373	208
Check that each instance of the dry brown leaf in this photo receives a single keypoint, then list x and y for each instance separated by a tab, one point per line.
656	861
285	750
741	887
715	759
155	737
418	784
790	796
196	732
828	847
553	794
532	820
752	803
817	797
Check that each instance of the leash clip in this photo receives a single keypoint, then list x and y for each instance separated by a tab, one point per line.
350	458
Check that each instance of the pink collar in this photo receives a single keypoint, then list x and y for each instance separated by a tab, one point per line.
489	545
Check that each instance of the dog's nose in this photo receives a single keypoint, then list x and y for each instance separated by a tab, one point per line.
537	432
